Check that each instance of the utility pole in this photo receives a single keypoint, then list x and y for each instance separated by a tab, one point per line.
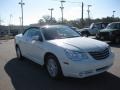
114	14
22	3
82	15
1	21
62	1
20	24
20	20
51	9
10	24
89	13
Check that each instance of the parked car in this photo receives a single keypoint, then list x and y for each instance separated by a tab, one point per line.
93	29
76	29
63	51
111	33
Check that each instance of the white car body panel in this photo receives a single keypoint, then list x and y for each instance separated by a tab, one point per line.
36	50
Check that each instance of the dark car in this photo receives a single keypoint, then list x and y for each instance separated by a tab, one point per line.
110	33
93	29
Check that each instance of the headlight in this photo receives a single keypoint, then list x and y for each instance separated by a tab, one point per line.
75	55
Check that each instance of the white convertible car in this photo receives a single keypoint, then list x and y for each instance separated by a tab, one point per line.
63	51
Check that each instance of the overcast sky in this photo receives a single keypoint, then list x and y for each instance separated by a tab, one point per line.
35	9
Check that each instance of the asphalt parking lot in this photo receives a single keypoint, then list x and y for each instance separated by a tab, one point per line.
26	75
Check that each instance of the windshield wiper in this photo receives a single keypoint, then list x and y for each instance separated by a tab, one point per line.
72	36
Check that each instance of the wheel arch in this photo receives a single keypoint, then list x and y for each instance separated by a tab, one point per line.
47	54
60	68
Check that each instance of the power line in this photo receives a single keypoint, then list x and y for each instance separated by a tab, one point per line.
73	2
70	2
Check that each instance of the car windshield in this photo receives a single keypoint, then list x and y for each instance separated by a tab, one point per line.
59	33
113	26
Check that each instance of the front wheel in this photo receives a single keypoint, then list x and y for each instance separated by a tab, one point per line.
53	67
85	33
18	52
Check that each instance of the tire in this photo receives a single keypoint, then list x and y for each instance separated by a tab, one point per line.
53	67
86	34
97	36
18	52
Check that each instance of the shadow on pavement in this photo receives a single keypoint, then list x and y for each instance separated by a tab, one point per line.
114	45
26	75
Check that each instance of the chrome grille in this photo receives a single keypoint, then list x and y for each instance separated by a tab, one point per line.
98	55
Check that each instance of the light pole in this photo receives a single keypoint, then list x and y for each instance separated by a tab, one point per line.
10	24
114	14
22	3
51	9
89	13
20	24
20	20
62	1
82	14
0	21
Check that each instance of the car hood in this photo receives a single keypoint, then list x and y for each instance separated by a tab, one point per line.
83	44
84	29
108	30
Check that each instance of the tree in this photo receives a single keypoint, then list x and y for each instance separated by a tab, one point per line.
41	22
47	19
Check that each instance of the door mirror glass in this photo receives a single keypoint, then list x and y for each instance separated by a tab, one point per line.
36	38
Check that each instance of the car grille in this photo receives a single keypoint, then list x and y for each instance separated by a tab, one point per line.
104	33
99	55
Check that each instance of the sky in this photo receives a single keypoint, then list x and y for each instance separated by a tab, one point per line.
35	9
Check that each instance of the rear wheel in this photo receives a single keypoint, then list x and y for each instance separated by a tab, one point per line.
53	67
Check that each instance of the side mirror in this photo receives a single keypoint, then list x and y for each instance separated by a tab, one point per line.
94	27
37	38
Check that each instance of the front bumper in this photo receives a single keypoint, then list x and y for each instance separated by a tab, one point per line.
106	36
85	68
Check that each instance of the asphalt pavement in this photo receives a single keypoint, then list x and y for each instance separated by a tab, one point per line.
26	75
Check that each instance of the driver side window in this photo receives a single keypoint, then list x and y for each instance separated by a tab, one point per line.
32	32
